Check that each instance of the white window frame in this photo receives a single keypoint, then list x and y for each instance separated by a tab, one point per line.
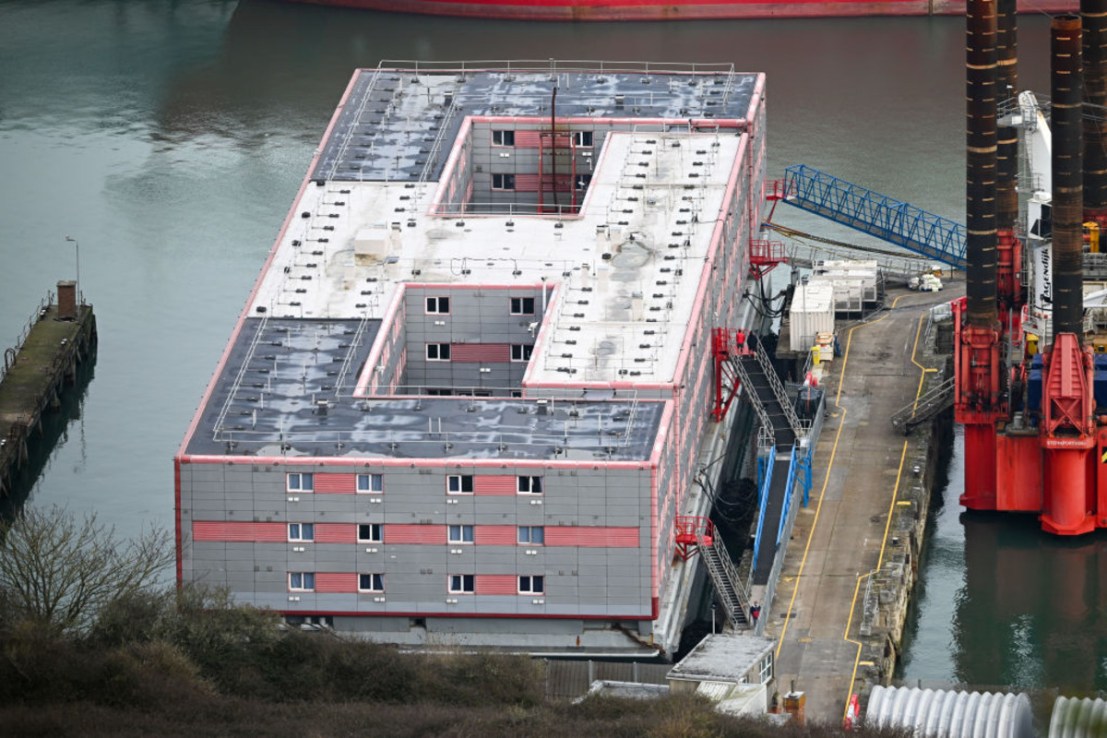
439	305
579	139
455	583
376	582
503	137
301	532
307	581
299	482
461	531
530	535
521	352
371	480
527	485
379	530
441	352
518	306
461	482
532	584
766	668
506	182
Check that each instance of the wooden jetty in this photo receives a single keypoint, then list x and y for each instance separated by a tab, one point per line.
57	339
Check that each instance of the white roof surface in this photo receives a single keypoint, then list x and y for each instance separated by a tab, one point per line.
626	301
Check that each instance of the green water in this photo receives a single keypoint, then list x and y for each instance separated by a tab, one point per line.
168	138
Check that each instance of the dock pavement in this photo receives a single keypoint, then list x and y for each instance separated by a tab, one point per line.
840	538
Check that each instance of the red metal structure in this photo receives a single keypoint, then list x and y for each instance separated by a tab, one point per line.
725	345
690	530
1047	457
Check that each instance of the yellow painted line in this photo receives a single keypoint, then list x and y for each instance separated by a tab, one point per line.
904	503
887	526
826	481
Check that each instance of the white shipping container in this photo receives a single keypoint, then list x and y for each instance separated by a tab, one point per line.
853	280
811	313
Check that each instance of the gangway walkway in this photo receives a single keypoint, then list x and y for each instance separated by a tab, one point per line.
779	420
901	223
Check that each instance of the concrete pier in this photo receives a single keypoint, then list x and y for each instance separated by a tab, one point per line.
841	603
58	338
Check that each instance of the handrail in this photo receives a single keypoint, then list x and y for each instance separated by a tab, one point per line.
762	504
778	390
354	343
788	485
217	427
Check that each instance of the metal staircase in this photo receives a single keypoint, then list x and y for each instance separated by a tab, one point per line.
728	585
926	407
878	215
756	373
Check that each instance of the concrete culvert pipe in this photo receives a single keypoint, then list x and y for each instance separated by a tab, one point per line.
1078	718
941	713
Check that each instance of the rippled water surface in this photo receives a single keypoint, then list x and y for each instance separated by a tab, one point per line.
169	138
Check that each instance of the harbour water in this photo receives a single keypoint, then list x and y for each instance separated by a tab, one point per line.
168	139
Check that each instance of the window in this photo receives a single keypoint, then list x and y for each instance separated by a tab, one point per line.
370	483
503	181
371	582
459	484
301	581
438	305
582	139
532	534
369	533
766	668
522	306
461	534
301	531
529	485
532	585
503	138
581	182
462	583
521	352
438	352
299	482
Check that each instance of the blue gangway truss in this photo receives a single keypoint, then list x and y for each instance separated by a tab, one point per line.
878	215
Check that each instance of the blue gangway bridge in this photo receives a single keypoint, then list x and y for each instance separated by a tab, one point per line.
878	215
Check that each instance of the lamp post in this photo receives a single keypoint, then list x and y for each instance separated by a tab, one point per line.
713	606
77	249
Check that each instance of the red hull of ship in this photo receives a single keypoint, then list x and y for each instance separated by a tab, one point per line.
622	10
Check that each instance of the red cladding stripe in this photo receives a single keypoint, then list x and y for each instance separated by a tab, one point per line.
526	139
495	535
239	532
497	584
335	533
403	533
480	352
330	582
498	484
336	484
592	537
526	183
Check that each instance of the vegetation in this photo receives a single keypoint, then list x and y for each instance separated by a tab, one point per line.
191	663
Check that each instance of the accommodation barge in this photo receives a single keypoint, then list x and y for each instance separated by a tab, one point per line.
472	389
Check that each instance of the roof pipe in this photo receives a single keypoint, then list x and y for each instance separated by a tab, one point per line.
980	184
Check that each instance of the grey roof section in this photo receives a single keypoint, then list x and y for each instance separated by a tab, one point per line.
398	123
286	389
722	657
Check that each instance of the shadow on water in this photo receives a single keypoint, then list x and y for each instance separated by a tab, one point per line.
52	435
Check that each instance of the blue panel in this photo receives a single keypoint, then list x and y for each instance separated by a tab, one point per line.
878	215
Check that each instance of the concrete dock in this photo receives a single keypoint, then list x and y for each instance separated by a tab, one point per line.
58	338
851	562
